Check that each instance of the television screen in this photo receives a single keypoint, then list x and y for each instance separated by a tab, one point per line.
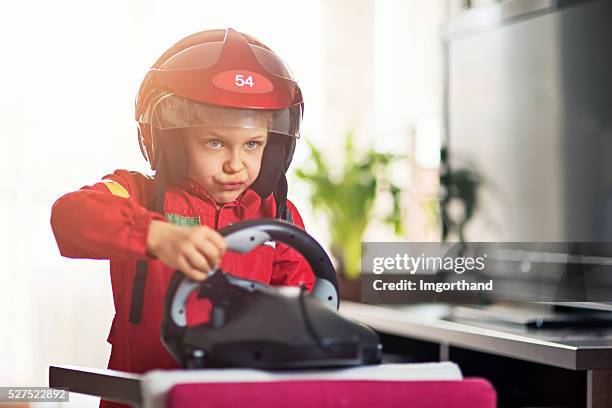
529	109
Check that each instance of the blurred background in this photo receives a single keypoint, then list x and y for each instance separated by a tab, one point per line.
493	92
71	71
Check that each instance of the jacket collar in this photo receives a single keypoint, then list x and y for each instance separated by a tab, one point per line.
246	199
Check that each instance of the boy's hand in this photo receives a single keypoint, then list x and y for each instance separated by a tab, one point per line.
192	250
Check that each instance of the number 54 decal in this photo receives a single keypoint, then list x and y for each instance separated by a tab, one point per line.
242	81
239	80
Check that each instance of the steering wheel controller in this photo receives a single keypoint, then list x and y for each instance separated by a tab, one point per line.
255	325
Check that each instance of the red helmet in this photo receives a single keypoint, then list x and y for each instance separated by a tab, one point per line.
219	69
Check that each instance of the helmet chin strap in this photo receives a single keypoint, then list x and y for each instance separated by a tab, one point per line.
170	167
280	195
272	168
271	178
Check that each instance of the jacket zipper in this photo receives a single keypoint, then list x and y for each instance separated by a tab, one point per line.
217	212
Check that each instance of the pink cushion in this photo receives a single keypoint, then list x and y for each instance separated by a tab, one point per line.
468	393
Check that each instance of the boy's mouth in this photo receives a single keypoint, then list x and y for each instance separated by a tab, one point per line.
231	186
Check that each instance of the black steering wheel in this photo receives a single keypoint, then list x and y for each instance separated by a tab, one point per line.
242	237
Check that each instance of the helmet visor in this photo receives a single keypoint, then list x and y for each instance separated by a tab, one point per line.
174	112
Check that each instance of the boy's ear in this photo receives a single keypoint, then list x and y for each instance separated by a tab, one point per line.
272	167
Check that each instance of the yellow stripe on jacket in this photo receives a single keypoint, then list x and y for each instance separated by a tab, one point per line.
116	188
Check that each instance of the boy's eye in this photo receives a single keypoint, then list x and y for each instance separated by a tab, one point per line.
214	143
251	145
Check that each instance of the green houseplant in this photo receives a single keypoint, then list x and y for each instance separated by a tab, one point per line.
347	198
463	186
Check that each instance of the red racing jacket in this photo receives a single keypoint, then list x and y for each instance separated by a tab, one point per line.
110	220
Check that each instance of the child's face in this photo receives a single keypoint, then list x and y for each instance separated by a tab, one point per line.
225	161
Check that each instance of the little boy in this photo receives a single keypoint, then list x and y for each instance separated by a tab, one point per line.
218	115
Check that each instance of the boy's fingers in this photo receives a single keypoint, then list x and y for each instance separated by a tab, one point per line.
216	238
210	252
197	261
189	271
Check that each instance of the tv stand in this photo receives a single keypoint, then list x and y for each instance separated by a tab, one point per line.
537	316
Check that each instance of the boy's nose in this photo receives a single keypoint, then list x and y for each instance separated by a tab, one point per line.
233	164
